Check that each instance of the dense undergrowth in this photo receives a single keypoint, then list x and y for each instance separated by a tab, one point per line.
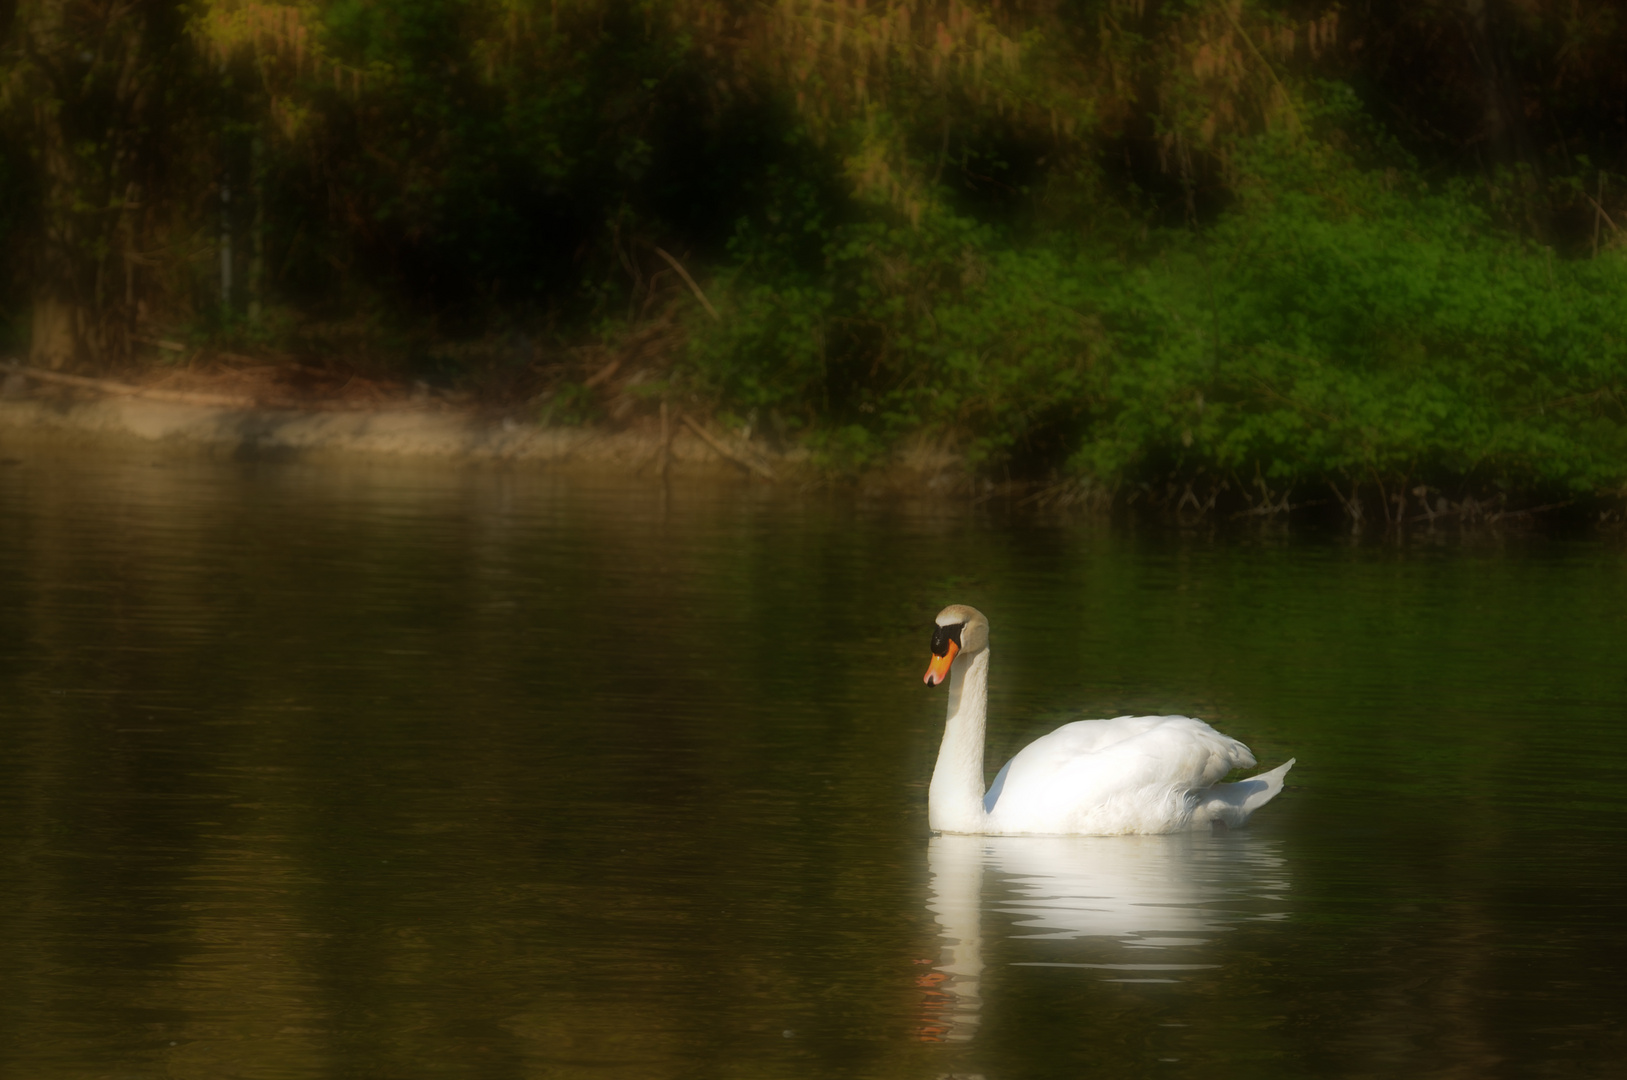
1340	330
1222	255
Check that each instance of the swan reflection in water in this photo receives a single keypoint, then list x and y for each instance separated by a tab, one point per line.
1130	908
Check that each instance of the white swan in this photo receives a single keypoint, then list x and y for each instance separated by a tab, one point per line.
1131	774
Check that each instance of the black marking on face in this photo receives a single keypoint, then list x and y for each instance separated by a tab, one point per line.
943	635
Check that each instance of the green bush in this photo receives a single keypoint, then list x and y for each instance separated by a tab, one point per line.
1336	325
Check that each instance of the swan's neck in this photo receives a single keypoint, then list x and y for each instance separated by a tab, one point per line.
955	800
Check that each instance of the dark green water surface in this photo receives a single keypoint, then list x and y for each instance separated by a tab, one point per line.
382	772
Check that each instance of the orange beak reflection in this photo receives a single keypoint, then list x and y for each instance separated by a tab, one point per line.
939	671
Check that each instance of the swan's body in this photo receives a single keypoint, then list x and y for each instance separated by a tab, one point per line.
1131	774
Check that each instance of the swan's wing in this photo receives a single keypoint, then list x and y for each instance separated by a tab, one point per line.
1177	740
1128	774
1233	803
1068	742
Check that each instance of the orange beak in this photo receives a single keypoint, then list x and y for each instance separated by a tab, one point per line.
939	671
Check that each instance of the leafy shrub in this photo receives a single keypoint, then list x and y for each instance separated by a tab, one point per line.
1336	325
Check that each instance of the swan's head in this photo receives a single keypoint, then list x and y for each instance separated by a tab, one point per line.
960	629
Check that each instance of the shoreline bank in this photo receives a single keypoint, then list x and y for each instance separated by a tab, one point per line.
408	430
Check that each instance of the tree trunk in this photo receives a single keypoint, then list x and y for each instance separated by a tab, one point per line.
1500	113
1503	107
85	75
57	308
257	237
53	342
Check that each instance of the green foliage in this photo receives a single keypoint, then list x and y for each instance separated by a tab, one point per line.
1336	325
936	325
1138	242
571	405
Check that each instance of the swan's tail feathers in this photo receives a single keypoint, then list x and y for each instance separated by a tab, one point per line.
1232	804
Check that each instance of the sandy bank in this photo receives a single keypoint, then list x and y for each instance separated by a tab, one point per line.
33	410
284	433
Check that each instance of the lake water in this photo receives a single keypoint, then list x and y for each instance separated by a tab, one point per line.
369	771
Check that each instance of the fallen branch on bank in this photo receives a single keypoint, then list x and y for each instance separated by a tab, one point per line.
739	459
1472	511
108	386
694	288
160	343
